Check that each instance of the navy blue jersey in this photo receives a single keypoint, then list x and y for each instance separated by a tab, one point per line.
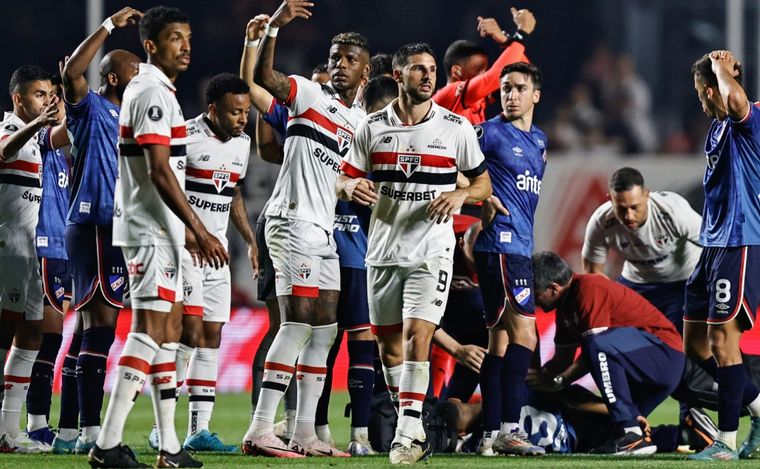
50	239
516	162
731	216
350	233
93	126
277	117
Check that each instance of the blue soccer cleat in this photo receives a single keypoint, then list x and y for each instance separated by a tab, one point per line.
61	446
753	439
207	441
718	451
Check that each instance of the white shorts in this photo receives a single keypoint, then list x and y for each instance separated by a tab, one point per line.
304	257
155	276
207	291
21	286
397	293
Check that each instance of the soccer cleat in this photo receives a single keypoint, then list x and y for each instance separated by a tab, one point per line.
153	438
61	446
633	444
83	446
42	435
718	451
516	443
753	439
180	459
22	444
485	446
700	429
118	456
401	454
317	448
360	448
268	445
206	441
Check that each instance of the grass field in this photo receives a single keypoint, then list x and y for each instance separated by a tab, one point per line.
231	416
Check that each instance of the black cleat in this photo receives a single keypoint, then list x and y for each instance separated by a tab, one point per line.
630	444
702	432
181	459
118	456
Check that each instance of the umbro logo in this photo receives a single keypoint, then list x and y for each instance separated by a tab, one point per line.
517	151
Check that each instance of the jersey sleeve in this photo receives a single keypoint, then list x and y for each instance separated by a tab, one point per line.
750	122
244	170
44	140
277	117
77	110
470	159
150	117
303	93
688	221
482	85
594	308
358	161
594	243
6	131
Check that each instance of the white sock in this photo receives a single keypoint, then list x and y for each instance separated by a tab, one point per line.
90	433
290	423
163	389
754	407
311	380
201	386
415	378
68	434
3	353
184	352
18	373
278	369
35	422
636	430
727	438
509	427
393	380
360	434
323	433
134	364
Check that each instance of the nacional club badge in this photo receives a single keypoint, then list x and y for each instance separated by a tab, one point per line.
344	139
221	179
408	164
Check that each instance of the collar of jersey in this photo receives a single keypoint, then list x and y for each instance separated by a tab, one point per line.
394	119
156	72
336	96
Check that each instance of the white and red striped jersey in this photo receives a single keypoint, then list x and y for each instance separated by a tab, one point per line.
214	168
411	165
320	131
20	193
150	115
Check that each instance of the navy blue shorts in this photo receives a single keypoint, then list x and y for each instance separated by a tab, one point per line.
724	286
353	307
464	318
56	282
505	279
95	265
668	297
265	284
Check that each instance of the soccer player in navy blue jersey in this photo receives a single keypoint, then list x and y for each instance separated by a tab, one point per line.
515	152
721	294
97	268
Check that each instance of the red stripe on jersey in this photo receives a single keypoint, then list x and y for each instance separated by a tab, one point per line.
166	294
390	329
312	115
209	174
179	132
293	91
134	362
189	310
201	382
279	367
352	171
317	370
153	139
412	395
434	161
18	379
162	367
307	292
125	132
22	166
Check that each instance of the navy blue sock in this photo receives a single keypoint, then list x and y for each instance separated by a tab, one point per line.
711	367
91	373
69	394
490	389
516	363
41	386
732	379
324	400
361	380
750	390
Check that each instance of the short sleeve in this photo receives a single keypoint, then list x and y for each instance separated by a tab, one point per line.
44	140
357	162
303	94
150	116
6	130
77	110
277	117
594	242
247	157
688	221
470	160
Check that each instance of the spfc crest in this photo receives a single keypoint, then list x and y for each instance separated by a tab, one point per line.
408	164
221	179
344	139
187	288
170	271
304	271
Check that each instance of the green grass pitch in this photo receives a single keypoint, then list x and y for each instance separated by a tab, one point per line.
231	416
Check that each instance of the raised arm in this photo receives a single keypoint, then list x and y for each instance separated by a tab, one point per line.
239	217
254	30
10	145
276	83
75	85
268	147
724	65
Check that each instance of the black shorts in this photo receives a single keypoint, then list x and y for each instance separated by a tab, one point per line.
265	285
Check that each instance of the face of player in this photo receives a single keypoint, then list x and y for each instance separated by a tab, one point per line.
631	207
123	74
34	99
473	66
549	298
706	98
171	52
518	95
417	77
346	66
230	114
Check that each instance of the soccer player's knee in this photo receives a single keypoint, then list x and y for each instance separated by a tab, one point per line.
191	337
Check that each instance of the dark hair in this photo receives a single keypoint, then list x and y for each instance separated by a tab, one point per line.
459	51
351	39
624	179
401	56
155	20
378	89
24	75
703	69
549	268
224	83
380	64
526	69
321	68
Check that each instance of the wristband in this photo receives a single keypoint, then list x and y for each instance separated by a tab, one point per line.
254	43
272	31
108	25
519	36
559	382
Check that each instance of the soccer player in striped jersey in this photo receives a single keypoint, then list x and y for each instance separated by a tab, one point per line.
299	227
413	148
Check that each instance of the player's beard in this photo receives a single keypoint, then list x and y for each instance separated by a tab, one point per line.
418	96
